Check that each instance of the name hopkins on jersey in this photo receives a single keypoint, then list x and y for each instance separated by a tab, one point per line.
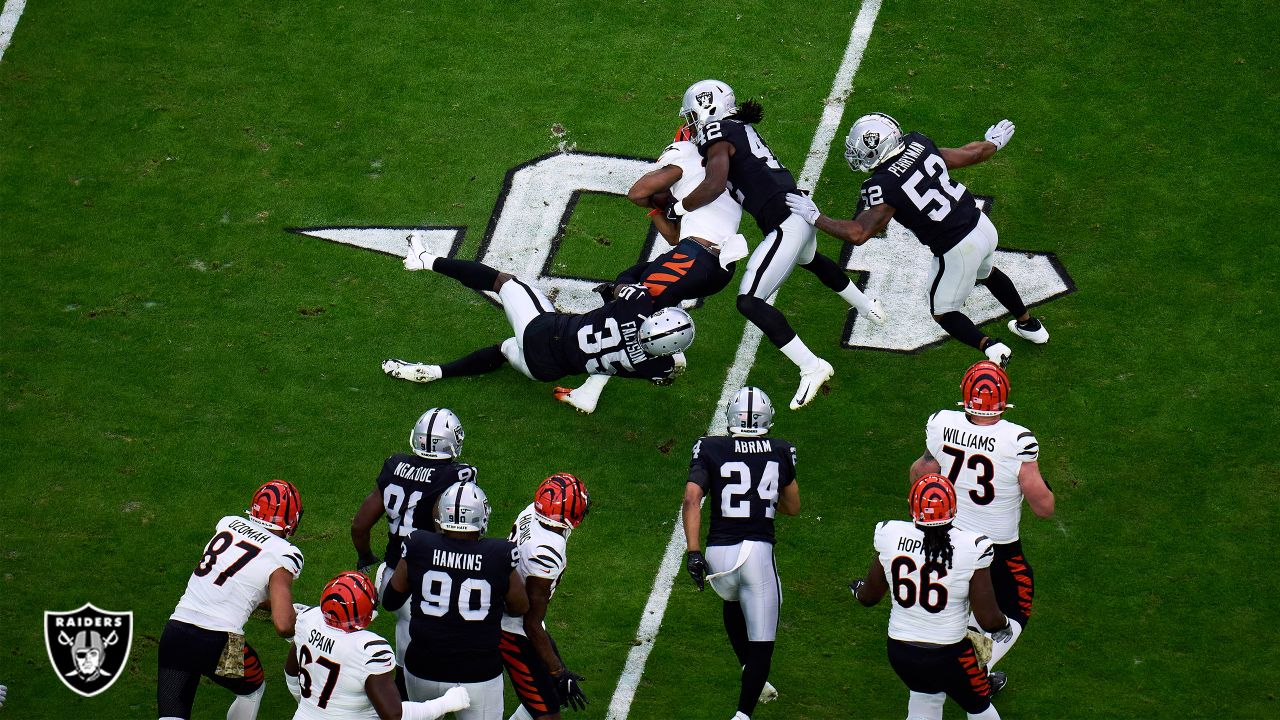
986	443
457	561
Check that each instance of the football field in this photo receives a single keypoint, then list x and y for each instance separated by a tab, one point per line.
200	204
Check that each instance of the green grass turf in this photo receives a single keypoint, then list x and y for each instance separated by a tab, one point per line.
166	347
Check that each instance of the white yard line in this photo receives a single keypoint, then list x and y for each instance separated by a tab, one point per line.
9	21
656	607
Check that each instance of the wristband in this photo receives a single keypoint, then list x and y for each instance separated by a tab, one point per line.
679	209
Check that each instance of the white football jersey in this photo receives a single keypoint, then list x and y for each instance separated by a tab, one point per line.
541	554
930	604
231	578
337	663
716	221
983	462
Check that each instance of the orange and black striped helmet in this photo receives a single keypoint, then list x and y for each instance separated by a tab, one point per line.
985	389
562	501
933	501
348	601
279	505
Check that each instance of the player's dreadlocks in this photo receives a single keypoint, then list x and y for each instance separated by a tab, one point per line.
937	544
749	112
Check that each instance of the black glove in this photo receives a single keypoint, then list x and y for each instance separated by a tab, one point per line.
670	211
1004	634
696	564
366	561
855	586
569	686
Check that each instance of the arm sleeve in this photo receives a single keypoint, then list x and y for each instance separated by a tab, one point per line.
986	552
292	561
546	562
378	658
697	470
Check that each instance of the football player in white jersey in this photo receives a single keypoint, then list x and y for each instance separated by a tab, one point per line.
541	532
706	246
246	563
939	574
993	464
338	670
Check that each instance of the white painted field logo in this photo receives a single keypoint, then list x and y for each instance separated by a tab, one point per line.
527	229
88	647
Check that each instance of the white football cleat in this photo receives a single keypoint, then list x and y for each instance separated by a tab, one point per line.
413	372
582	402
875	312
769	693
998	353
810	382
1035	333
418	258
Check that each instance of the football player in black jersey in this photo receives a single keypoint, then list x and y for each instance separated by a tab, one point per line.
748	478
909	183
737	159
405	484
629	337
461	583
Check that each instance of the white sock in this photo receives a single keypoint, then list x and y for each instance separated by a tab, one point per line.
925	706
856	297
998	649
800	354
988	714
591	387
739	716
245	707
520	714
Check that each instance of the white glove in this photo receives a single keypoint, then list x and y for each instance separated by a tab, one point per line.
1000	134
418	257
294	683
803	206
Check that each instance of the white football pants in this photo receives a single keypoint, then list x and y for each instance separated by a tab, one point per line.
751	578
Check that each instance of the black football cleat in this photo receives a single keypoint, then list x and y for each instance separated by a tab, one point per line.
998	680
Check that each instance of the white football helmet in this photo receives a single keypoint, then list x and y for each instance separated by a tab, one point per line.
666	332
749	412
873	139
437	435
463	507
706	101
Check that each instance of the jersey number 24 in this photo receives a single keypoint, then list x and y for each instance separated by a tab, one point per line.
734	502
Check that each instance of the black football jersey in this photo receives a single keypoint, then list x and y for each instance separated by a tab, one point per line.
742	478
756	179
924	198
409	485
605	341
459	594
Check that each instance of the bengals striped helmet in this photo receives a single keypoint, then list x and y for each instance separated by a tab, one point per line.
562	501
933	501
348	601
985	389
279	505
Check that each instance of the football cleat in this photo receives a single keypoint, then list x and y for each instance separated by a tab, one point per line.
583	402
932	501
873	139
413	372
417	257
463	507
875	312
998	680
810	382
998	353
1033	330
769	693
437	435
277	504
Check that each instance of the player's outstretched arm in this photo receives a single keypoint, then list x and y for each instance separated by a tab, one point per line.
868	590
280	593
361	525
997	137
1035	489
868	224
924	465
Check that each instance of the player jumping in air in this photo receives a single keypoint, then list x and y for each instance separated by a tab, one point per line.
910	183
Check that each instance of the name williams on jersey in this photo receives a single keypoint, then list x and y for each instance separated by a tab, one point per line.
969	440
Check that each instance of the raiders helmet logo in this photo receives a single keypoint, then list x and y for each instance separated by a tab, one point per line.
88	647
704	100
871	139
